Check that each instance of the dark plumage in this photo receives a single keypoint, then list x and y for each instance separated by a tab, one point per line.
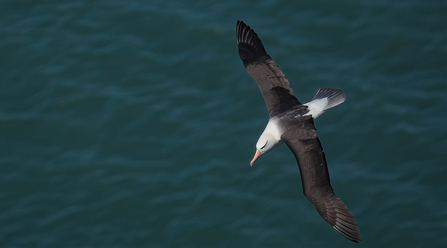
272	82
297	129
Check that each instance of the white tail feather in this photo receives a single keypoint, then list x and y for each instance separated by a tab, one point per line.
325	98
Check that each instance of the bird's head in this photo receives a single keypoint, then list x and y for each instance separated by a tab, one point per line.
265	143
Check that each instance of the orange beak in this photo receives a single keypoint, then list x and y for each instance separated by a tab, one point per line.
257	155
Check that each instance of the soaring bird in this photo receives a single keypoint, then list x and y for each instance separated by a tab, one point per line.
292	123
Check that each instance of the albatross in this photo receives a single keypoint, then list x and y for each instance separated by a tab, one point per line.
292	123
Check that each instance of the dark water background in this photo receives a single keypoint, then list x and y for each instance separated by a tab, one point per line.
132	123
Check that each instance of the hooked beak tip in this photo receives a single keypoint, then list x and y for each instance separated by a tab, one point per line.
257	155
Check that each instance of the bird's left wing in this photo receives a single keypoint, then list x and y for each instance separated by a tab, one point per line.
303	140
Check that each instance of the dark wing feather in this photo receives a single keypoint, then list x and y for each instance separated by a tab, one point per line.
303	140
272	82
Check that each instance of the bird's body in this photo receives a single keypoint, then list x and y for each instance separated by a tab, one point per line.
292	123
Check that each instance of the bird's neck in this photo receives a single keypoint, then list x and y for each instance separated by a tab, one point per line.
273	129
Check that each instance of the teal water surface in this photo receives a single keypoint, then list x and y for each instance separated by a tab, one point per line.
132	123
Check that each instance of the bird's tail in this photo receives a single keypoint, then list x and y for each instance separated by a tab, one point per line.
325	98
334	96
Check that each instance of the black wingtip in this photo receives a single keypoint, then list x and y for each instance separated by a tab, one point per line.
335	212
347	230
250	46
342	220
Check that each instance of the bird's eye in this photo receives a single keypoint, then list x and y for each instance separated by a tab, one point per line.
264	145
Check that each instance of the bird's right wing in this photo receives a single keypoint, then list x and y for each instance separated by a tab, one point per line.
303	140
272	82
